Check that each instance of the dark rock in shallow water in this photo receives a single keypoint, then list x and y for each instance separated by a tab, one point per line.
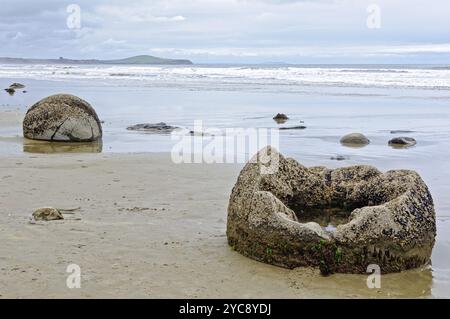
64	118
402	142
339	158
153	128
300	127
355	140
281	118
10	91
199	133
387	219
47	214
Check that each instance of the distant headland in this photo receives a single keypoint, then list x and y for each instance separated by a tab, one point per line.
139	59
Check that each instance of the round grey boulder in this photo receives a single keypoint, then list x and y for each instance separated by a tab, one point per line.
402	142
355	139
64	118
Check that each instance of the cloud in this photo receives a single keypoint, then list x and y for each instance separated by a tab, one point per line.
133	14
227	30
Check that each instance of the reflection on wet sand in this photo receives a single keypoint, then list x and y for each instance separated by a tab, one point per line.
352	145
45	147
415	283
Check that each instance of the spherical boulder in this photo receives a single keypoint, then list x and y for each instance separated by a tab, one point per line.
64	118
340	220
355	139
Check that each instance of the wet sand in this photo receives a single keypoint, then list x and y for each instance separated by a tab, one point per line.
145	228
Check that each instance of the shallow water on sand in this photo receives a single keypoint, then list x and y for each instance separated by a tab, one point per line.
327	114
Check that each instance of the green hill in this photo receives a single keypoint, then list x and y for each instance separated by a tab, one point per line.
147	59
139	59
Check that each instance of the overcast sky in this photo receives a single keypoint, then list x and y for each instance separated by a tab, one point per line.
248	31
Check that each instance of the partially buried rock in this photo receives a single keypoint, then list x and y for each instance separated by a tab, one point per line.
153	128
62	117
17	86
355	140
47	214
402	142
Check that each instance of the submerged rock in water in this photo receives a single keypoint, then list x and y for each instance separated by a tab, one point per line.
153	127
339	158
402	142
64	118
17	86
47	214
386	219
355	140
300	127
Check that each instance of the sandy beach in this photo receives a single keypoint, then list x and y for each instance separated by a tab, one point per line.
225	150
144	227
147	227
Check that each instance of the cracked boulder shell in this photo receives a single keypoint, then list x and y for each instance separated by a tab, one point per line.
64	118
387	219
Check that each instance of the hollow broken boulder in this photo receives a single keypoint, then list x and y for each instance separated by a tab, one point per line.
340	220
62	117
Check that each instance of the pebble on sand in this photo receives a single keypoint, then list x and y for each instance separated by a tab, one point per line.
47	214
281	118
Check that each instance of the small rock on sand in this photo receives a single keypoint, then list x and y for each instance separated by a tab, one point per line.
402	142
355	139
47	214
